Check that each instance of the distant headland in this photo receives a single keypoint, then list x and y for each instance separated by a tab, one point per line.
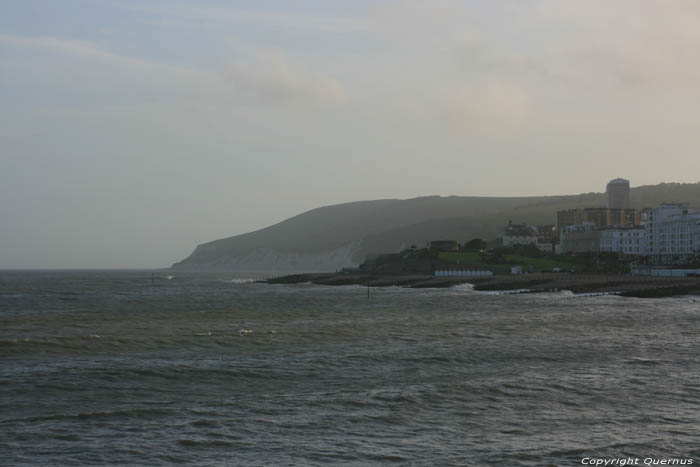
345	235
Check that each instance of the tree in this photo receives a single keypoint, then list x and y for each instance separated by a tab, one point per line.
475	244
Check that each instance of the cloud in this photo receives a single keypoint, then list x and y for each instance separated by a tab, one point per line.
492	106
636	43
271	79
60	45
178	14
96	54
585	45
265	78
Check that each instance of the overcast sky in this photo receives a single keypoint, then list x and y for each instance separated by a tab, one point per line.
132	130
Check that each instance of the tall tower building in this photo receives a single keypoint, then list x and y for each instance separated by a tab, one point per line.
618	194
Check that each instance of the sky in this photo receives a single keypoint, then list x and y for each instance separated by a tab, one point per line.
133	130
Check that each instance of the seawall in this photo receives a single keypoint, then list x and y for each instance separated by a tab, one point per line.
625	285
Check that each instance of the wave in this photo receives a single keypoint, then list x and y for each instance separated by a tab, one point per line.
597	294
245	280
466	287
132	412
199	443
505	292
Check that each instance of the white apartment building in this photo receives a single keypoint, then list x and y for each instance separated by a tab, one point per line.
673	234
518	234
670	235
625	240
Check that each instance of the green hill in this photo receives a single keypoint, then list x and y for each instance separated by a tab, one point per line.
331	237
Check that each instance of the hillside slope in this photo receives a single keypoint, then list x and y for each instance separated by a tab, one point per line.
332	237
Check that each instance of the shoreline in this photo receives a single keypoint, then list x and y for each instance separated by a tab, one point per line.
604	284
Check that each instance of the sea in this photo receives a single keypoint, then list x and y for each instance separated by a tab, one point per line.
164	368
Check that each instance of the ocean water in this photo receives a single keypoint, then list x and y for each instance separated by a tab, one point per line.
117	368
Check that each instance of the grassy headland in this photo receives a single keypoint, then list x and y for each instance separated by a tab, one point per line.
318	238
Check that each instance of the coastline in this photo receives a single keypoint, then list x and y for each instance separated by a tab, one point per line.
624	285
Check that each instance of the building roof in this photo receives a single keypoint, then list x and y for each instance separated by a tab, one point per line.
620	181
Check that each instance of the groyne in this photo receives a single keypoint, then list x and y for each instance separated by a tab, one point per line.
625	285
